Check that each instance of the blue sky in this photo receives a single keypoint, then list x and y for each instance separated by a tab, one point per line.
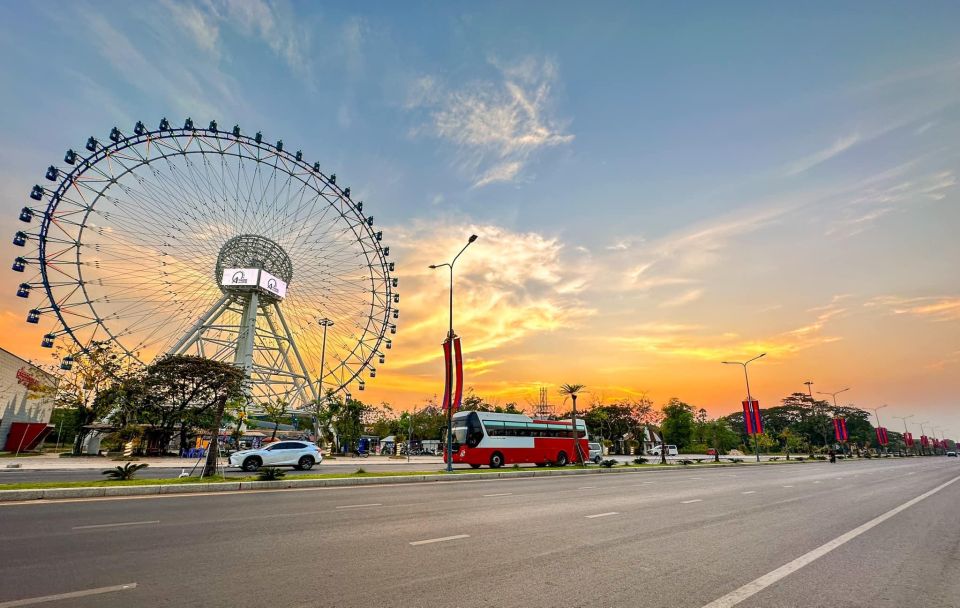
658	182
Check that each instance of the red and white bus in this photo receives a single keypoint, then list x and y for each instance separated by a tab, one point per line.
481	438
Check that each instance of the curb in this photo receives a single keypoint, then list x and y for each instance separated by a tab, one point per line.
239	486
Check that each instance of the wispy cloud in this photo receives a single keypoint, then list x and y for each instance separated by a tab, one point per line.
684	341
497	125
934	308
510	286
809	162
691	295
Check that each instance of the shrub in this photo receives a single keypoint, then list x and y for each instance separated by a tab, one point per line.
360	471
608	463
516	466
775	458
270	474
640	460
685	462
735	460
127	471
699	460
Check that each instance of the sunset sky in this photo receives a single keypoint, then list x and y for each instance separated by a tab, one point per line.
657	187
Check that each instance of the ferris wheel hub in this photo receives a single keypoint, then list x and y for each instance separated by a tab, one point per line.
249	261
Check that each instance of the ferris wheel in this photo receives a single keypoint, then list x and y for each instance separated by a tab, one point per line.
209	242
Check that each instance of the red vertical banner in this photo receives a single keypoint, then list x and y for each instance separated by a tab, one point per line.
924	441
446	374
458	362
882	436
753	422
840	429
908	439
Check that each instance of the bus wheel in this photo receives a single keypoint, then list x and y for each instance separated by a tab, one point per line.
562	459
496	461
475	466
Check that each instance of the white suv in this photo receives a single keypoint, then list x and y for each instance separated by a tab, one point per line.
671	450
298	454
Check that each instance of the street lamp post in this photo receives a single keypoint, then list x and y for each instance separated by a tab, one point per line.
449	447
834	395
905	429
756	440
324	323
876	412
923	452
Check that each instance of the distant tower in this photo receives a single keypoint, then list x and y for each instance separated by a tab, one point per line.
543	409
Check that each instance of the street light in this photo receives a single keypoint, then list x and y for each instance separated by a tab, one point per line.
876	411
450	264
324	323
922	433
905	429
834	395
756	441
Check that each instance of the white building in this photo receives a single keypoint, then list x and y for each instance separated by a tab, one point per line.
21	409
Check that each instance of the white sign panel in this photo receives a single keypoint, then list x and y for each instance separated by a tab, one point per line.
273	284
240	277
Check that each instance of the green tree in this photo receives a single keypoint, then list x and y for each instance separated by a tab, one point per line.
275	411
94	371
678	422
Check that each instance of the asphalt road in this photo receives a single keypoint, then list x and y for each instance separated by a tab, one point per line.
814	534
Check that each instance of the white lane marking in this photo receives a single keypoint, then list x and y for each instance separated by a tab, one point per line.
118	525
748	492
687	502
436	540
601	515
587	488
752	588
501	494
788	486
372	504
813	482
66	596
698	478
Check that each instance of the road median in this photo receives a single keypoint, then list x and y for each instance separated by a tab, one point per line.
21	494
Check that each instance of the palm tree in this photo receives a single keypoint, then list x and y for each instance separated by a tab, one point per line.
572	390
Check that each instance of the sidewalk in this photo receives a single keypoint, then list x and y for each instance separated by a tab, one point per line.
51	462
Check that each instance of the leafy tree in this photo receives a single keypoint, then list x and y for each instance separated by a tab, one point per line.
677	423
275	411
94	371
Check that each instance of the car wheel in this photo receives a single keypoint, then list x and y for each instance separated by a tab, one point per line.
496	461
251	464
562	459
305	463
474	466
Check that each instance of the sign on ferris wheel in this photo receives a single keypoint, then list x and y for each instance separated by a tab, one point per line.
254	277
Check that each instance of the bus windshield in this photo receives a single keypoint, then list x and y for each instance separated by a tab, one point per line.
467	429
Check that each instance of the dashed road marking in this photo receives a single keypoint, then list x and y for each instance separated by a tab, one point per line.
364	506
66	596
436	540
687	502
500	494
749	492
601	515
118	525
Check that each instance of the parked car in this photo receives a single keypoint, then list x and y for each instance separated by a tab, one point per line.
297	454
954	454
671	450
596	452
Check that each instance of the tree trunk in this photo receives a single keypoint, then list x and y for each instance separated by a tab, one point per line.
213	451
576	435
183	437
276	425
663	447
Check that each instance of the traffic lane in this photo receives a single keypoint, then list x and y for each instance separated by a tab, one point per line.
912	558
339	533
676	482
679	556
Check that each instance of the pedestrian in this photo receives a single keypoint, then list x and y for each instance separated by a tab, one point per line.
833	455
